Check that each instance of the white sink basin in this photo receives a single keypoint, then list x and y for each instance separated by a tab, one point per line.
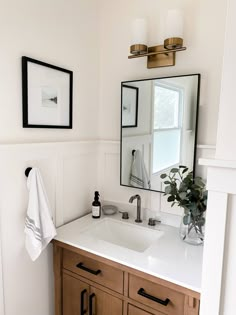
137	238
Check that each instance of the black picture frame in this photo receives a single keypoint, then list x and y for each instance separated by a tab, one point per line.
134	105
48	96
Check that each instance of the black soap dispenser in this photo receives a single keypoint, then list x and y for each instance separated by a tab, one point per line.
96	206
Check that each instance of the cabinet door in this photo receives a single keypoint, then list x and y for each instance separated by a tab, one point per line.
75	296
101	303
132	310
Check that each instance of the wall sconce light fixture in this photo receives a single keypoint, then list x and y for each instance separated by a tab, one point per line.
160	55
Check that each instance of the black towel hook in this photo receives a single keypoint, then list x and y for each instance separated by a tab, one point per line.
133	151
27	171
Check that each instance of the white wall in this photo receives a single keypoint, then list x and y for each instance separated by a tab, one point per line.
57	32
203	31
63	33
225	177
226	147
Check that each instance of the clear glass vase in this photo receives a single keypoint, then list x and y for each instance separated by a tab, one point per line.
192	229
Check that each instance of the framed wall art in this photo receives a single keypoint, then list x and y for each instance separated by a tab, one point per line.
129	106
47	95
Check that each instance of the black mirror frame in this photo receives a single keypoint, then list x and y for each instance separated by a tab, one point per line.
196	129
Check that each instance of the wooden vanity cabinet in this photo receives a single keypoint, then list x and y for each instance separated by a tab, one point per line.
86	284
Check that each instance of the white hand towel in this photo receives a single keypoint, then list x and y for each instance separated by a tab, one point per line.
139	176
39	227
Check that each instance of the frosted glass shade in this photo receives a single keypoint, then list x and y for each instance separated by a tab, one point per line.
174	24
139	32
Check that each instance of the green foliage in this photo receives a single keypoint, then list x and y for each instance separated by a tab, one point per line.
187	192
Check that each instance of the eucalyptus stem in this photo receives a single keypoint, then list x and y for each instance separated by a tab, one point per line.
190	194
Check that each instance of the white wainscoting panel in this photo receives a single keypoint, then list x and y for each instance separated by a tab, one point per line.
154	202
213	254
228	301
2	302
69	171
79	184
218	288
208	152
109	179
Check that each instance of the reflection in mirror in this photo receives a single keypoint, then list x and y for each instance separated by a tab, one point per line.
158	128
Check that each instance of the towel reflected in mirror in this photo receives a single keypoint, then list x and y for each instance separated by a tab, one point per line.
139	176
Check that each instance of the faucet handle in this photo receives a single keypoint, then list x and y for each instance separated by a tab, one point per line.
152	221
125	215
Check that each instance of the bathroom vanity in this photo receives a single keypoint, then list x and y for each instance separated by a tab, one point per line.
97	273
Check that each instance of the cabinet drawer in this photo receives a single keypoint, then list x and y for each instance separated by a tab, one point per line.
93	270
156	296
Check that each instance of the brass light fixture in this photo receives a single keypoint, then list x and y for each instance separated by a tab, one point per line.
160	55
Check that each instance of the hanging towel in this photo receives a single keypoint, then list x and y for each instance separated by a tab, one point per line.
139	176
39	227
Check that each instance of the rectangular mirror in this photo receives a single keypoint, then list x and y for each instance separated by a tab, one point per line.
158	128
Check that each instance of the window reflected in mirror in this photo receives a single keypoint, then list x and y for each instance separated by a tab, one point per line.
164	133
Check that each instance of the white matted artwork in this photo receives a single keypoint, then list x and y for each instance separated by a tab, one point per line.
47	95
129	106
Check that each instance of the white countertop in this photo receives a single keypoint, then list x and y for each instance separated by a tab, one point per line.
168	258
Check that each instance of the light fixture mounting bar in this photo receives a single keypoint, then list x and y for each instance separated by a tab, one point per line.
164	51
158	56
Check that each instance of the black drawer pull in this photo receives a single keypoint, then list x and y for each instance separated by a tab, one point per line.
91	311
82	310
142	292
94	272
